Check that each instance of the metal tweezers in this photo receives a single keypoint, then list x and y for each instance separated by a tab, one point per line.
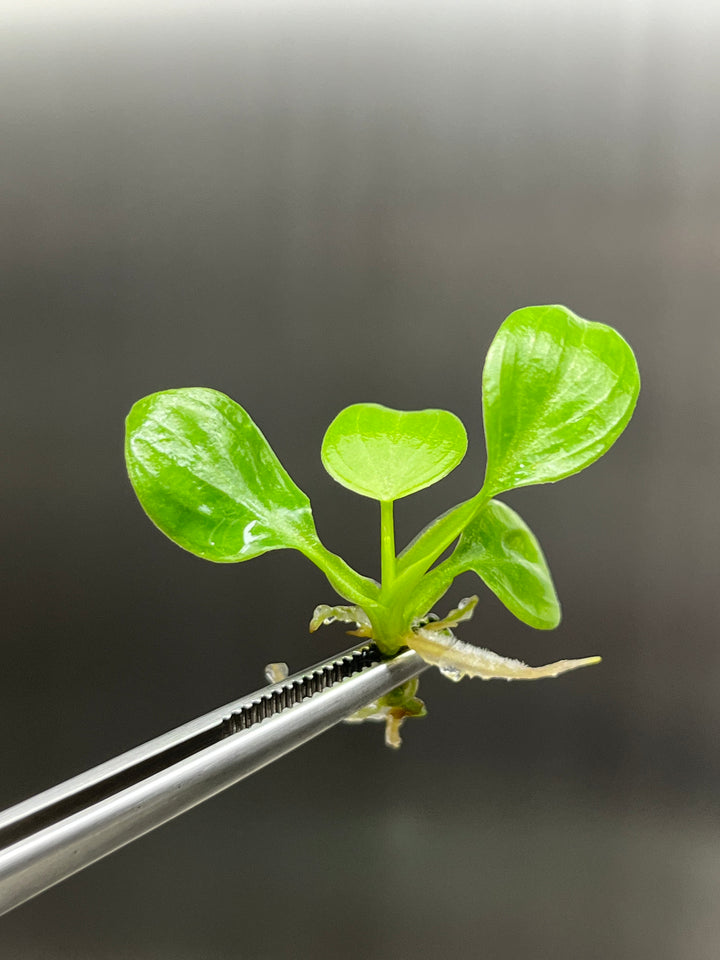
49	837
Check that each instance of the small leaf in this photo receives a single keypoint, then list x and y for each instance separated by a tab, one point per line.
207	477
394	708
464	611
504	553
388	454
325	614
557	392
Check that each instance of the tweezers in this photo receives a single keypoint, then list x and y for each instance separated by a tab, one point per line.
53	835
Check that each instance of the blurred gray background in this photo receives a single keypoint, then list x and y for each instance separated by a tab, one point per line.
307	205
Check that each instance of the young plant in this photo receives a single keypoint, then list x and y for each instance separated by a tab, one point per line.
557	392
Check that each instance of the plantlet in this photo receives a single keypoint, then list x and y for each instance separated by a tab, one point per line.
557	392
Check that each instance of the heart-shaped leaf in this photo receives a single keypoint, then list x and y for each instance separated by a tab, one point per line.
557	392
207	477
387	454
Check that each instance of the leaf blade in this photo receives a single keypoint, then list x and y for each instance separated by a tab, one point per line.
207	477
502	550
388	454
558	391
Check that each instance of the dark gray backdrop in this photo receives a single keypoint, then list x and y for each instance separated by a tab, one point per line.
307	205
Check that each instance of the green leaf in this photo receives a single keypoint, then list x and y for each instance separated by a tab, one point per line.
503	551
499	546
207	477
388	454
557	392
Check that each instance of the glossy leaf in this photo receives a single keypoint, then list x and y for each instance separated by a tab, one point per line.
207	477
388	454
557	392
502	550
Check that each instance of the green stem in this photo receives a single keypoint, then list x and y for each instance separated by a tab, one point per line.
417	559
348	582
387	543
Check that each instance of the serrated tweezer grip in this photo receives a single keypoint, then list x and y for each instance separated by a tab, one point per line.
53	835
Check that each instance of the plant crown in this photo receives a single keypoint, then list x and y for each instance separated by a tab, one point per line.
557	392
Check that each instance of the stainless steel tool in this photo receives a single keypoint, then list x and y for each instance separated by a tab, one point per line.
53	835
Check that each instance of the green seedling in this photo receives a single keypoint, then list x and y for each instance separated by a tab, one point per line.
557	392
